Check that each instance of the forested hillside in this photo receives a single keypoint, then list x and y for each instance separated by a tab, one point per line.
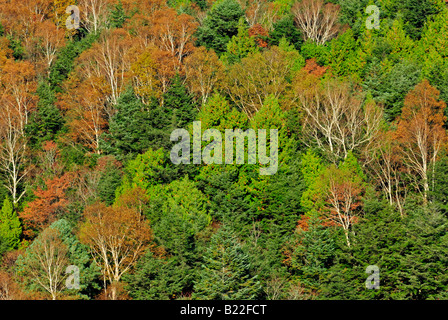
350	95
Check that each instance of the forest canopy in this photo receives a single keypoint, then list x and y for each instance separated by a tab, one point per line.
349	104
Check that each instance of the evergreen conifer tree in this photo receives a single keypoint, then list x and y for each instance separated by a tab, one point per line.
227	272
10	226
220	25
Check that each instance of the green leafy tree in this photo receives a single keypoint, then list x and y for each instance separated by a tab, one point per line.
142	171
351	164
312	168
271	116
401	45
310	50
218	114
430	50
183	207
228	185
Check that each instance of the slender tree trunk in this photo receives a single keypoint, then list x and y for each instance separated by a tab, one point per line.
347	237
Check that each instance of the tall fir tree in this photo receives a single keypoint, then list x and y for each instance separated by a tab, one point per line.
220	25
285	28
130	128
227	272
118	16
10	226
241	45
47	122
179	105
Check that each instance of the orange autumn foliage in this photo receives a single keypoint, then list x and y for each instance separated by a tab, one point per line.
421	133
312	68
17	102
117	237
173	33
260	34
87	112
44	210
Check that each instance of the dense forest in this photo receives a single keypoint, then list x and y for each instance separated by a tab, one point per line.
93	207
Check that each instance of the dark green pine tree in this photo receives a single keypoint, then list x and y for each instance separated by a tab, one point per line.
439	184
179	105
410	253
227	272
45	124
390	89
176	236
201	4
424	261
281	199
64	63
438	77
285	28
3	246
16	46
155	278
136	127
415	14
118	16
109	181
220	25
313	253
129	128
379	240
179	219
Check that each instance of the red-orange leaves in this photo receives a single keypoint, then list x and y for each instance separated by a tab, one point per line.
44	210
260	34
420	131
